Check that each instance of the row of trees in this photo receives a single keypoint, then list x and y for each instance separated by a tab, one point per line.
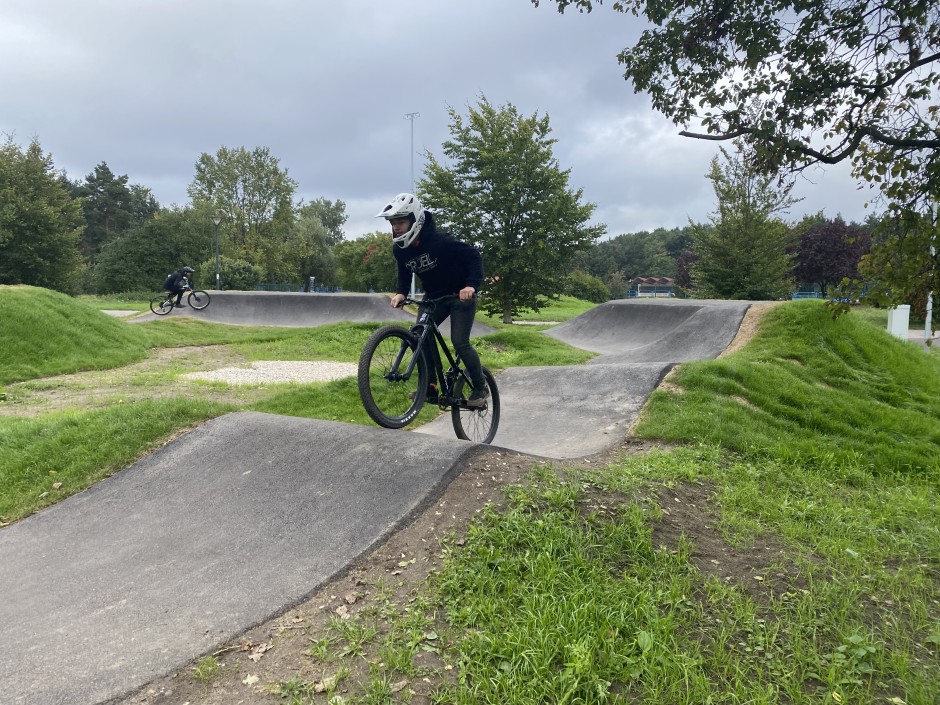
128	242
746	250
504	192
103	234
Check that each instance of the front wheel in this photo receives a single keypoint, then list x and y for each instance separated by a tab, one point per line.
391	393
198	299
162	305
479	424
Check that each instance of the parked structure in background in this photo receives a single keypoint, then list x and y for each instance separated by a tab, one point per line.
807	291
651	287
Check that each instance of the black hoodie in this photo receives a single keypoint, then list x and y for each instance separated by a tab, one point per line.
444	264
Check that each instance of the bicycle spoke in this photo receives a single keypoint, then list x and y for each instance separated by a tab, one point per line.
389	394
478	424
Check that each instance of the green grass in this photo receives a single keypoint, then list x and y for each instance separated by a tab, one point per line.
822	438
556	311
47	333
836	394
566	597
128	301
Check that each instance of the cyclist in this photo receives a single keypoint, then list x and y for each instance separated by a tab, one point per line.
175	283
445	266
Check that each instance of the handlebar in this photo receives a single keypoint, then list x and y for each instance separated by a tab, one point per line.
426	302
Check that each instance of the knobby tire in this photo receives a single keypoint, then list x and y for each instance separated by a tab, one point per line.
161	305
384	394
478	425
198	299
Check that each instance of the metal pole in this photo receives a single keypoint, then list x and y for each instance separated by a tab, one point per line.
928	319
216	220
412	116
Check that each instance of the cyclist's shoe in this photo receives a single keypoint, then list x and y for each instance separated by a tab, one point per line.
430	397
178	306
479	396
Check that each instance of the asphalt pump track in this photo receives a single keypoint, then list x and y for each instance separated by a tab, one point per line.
247	515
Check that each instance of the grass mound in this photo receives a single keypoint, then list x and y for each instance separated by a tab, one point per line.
840	394
48	333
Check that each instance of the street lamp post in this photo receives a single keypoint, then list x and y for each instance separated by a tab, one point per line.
217	219
412	116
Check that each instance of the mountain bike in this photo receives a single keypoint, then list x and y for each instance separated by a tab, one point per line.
196	298
394	374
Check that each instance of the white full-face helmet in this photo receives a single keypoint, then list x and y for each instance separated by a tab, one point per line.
405	205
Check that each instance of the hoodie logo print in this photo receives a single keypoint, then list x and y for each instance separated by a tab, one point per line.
421	264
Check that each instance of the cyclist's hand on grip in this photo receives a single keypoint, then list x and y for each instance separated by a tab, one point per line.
467	293
398	300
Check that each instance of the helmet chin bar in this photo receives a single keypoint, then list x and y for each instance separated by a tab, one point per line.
403	206
409	237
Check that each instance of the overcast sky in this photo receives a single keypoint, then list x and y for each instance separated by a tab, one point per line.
149	85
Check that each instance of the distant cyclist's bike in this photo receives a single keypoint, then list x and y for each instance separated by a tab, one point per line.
394	375
196	298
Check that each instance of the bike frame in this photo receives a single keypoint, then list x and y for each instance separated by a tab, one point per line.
424	328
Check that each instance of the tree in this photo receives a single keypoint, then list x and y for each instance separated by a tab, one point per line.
802	82
586	287
40	222
332	215
506	194
829	251
255	197
141	259
111	207
311	248
367	263
746	252
903	264
684	265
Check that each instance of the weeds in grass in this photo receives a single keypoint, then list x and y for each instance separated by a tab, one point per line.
207	669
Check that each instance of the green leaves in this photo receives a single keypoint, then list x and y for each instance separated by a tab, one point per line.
861	77
505	192
745	253
40	222
255	197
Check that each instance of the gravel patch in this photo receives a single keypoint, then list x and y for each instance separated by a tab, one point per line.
277	371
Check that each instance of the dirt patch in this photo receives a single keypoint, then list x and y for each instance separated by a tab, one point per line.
762	568
749	324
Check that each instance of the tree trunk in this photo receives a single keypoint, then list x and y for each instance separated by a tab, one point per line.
507	312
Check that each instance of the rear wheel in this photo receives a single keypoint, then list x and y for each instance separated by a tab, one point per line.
392	399
162	305
480	424
198	299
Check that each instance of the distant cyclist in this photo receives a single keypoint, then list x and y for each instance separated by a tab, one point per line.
445	266
175	283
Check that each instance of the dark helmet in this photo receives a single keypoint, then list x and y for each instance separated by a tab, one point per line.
188	270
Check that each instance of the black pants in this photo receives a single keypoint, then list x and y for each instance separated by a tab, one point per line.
179	291
461	321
